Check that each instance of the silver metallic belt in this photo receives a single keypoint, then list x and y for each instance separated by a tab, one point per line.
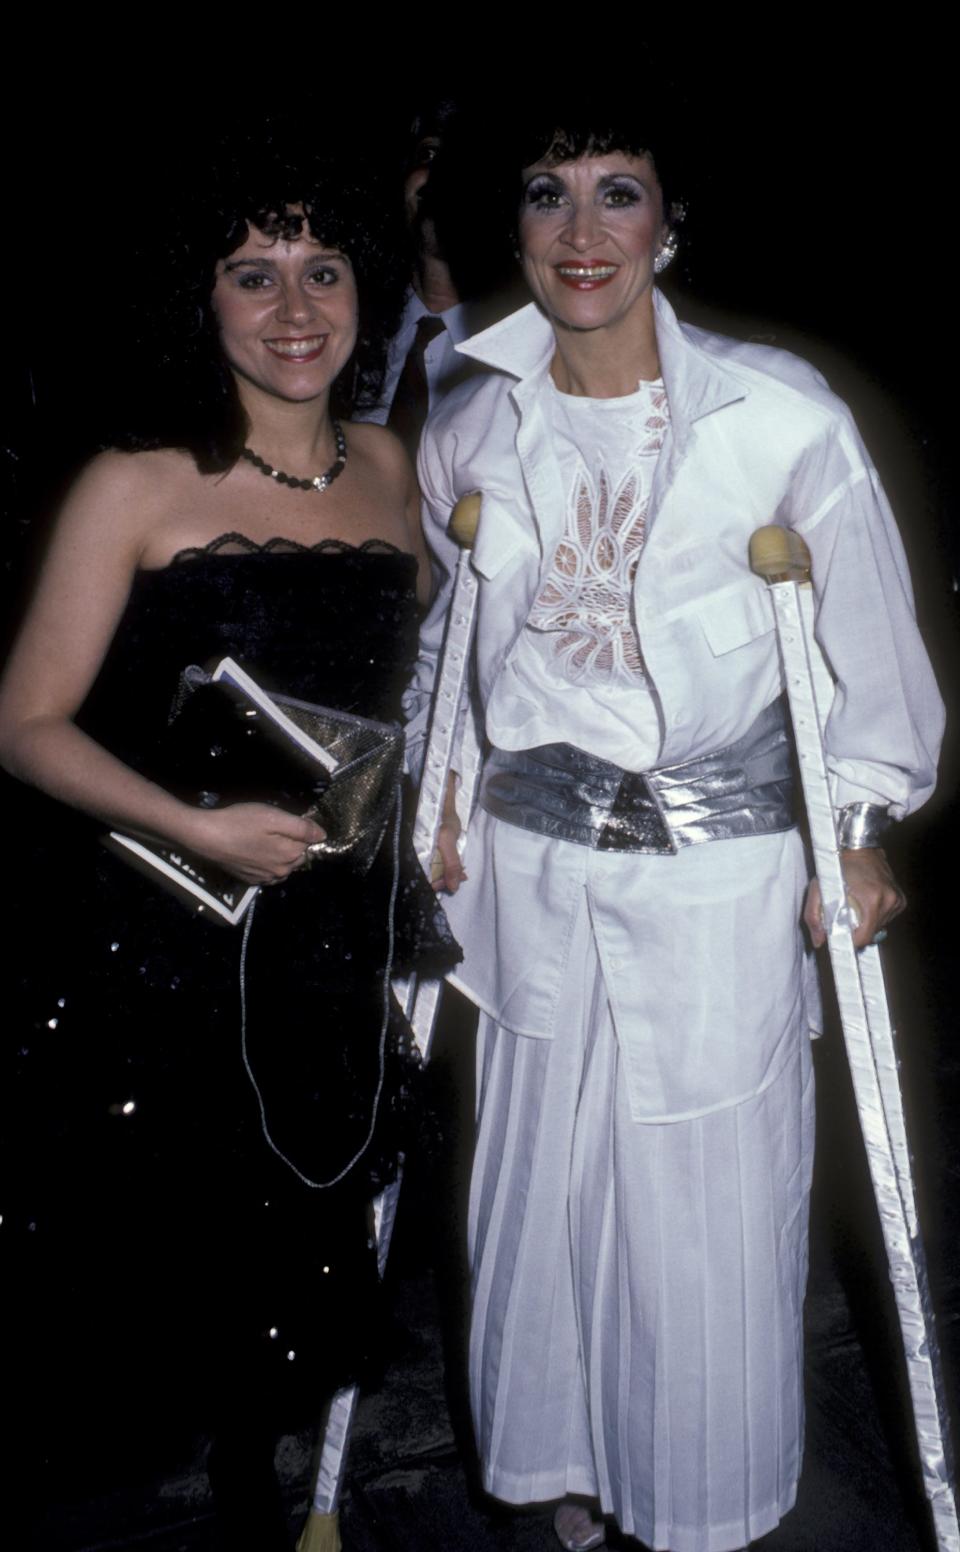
558	790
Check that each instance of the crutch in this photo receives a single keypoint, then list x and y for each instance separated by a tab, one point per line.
781	557
419	999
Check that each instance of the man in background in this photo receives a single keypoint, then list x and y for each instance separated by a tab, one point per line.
461	280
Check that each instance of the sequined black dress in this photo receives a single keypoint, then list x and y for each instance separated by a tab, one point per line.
158	1246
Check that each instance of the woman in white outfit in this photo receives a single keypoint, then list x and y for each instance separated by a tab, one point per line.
632	916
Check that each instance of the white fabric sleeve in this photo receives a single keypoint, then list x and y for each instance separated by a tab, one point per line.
438	503
884	729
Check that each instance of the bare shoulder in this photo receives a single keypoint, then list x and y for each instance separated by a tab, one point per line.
382	448
392	477
120	497
156	476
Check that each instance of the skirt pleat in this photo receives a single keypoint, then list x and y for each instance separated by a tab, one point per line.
638	1287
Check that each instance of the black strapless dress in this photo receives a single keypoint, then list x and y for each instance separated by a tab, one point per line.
160	1253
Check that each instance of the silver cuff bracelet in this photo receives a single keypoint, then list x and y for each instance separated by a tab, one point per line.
860	825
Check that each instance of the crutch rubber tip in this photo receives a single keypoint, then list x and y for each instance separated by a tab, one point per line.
464	519
321	1533
779	554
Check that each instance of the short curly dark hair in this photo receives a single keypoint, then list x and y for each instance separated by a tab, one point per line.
194	403
556	126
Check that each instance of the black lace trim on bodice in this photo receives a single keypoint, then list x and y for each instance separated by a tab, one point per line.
240	544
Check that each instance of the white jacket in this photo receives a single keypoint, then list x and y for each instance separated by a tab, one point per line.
755	437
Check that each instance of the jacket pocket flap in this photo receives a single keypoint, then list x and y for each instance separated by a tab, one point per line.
500	536
735	617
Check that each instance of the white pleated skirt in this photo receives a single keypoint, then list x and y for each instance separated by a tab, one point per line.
638	1287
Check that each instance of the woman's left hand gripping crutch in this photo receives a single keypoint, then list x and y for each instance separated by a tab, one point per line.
780	556
419	999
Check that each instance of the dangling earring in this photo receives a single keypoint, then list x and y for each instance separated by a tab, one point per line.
666	255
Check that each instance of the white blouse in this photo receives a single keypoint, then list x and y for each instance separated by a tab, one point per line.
754	436
578	667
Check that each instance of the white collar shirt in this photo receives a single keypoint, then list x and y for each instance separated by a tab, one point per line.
755	436
444	366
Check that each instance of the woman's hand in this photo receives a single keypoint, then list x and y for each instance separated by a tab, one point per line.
446	869
254	841
872	891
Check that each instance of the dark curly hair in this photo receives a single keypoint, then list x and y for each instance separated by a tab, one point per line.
555	126
192	401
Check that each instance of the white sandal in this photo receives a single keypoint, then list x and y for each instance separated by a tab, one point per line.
576	1529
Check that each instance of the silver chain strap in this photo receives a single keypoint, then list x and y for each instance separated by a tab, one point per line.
322	1185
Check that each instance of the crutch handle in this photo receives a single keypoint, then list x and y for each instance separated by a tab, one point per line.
464	520
779	555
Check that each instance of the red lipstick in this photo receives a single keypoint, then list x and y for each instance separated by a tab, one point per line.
585	276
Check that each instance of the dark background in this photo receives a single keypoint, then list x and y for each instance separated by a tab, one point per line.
819	177
818	171
820	188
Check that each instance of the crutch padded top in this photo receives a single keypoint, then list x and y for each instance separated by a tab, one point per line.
464	520
779	555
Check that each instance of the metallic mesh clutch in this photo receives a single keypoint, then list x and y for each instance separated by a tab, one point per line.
358	799
230	741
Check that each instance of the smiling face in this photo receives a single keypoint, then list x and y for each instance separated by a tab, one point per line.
287	313
590	231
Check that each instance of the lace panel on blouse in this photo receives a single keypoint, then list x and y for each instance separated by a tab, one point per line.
586	599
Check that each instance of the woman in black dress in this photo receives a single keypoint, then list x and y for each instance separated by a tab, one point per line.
162	1258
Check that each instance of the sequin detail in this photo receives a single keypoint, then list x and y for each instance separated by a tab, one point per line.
131	1125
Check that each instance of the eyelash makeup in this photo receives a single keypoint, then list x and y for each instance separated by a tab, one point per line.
258	279
624	191
548	193
538	190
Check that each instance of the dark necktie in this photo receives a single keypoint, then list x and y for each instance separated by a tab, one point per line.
411	401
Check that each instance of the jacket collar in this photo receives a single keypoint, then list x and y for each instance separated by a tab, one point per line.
522	345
